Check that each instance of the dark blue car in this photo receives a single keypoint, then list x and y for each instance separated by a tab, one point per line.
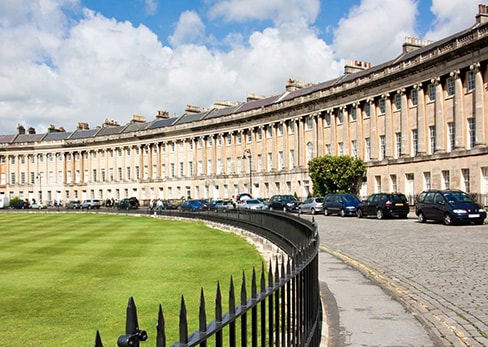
448	206
340	204
193	206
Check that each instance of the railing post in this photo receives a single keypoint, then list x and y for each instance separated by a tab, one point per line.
133	335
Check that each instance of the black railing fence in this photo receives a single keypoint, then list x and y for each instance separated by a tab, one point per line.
283	307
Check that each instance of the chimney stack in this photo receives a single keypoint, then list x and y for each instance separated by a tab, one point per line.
482	16
20	129
137	119
413	43
192	109
83	126
162	114
353	66
254	97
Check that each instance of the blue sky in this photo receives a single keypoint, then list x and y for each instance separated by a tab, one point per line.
69	61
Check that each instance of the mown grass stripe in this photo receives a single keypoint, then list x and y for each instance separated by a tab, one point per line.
67	275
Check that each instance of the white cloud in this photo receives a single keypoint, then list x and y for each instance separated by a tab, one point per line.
375	29
55	69
279	11
452	16
150	6
189	29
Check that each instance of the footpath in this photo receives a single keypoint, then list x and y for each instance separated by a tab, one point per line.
359	313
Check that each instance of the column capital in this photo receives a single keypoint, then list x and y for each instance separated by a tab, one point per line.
475	67
455	73
435	80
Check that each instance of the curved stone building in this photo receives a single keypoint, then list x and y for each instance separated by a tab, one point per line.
419	121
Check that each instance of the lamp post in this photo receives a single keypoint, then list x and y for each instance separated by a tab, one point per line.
40	187
247	155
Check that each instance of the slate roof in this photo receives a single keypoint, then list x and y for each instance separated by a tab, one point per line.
83	134
57	136
27	138
135	127
255	104
161	123
7	138
111	130
221	112
191	117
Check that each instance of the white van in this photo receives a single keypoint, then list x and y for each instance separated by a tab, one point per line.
3	201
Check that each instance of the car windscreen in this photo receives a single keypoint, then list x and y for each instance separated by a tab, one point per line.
350	198
457	197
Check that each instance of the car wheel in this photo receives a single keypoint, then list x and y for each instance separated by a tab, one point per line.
421	217
359	213
326	212
343	212
447	219
312	211
380	214
479	222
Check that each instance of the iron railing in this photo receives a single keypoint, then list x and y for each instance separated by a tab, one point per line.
283	308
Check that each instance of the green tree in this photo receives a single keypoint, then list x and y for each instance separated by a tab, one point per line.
336	174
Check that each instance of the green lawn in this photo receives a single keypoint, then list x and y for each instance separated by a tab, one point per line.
63	276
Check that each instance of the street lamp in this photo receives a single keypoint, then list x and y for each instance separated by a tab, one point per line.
247	155
40	187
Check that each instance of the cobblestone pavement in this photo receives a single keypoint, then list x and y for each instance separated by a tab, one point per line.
439	273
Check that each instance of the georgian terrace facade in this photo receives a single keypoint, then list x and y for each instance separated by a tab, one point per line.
419	121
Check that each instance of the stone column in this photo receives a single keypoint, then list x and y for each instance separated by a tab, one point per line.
440	126
389	128
459	117
422	127
404	126
479	98
374	140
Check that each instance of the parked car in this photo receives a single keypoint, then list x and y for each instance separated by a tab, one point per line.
224	206
211	205
384	205
251	204
193	205
168	205
285	203
243	196
90	203
128	204
341	204
448	206
21	204
265	202
73	204
312	205
38	206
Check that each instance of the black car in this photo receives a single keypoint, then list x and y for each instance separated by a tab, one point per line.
448	206
341	204
128	204
285	203
384	205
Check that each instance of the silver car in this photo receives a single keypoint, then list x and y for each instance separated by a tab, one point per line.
252	204
312	205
